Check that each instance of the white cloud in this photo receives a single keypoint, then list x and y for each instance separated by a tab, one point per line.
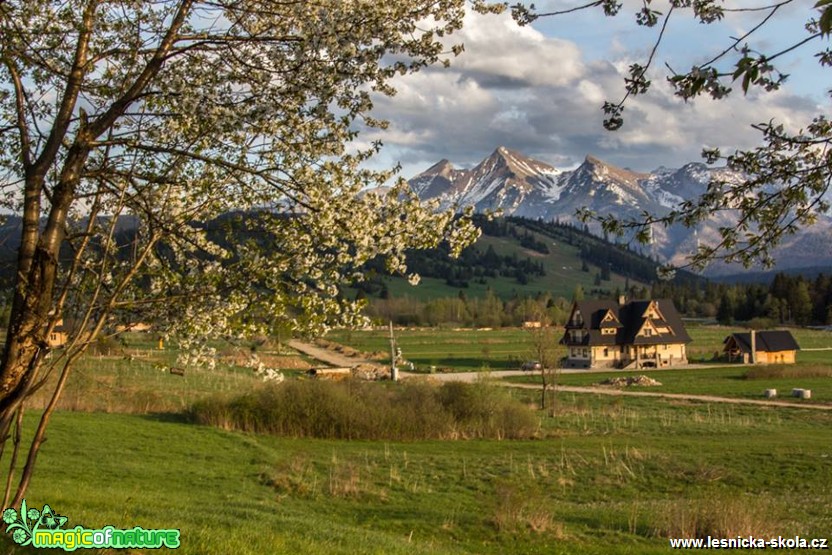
509	55
517	87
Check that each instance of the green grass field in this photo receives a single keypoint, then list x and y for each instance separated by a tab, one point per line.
464	349
506	349
720	382
607	476
132	375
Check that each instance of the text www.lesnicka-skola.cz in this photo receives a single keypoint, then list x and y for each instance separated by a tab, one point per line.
749	542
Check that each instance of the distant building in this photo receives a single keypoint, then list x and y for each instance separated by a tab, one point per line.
762	347
134	326
638	334
58	337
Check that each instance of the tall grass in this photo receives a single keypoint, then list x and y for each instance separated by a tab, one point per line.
720	516
788	371
362	410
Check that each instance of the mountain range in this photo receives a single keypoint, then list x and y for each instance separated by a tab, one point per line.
521	186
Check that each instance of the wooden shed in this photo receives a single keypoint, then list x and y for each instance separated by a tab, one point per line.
762	347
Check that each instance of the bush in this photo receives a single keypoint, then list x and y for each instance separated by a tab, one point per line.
363	410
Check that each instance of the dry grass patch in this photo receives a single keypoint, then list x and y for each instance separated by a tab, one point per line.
719	516
787	371
519	510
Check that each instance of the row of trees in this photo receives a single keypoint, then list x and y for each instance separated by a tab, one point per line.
787	300
489	311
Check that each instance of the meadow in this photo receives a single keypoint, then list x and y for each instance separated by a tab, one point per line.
604	475
506	349
724	381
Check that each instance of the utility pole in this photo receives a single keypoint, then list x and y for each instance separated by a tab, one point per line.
394	372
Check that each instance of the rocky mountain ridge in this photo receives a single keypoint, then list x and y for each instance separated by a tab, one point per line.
518	185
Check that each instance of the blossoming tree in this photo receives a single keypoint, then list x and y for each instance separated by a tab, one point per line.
126	127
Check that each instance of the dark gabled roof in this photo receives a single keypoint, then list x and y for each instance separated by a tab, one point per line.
631	318
593	311
768	341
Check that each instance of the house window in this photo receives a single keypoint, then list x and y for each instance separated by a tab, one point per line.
573	352
648	332
606	352
622	349
584	353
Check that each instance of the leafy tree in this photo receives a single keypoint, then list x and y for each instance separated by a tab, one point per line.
785	179
725	313
800	302
546	350
161	116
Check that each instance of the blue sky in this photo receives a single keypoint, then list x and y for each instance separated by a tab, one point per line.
539	90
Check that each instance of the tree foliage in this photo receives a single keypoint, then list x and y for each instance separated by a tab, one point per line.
161	116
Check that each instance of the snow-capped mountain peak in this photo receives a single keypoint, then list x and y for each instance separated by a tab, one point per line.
518	185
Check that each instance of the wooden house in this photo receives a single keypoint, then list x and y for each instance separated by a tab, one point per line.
639	334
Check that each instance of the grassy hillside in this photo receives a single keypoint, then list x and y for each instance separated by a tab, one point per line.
563	266
563	274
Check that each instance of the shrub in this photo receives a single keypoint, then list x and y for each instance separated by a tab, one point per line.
523	510
364	410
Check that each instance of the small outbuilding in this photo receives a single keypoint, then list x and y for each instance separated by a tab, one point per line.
762	347
58	337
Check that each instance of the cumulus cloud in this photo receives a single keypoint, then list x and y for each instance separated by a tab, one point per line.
508	56
517	87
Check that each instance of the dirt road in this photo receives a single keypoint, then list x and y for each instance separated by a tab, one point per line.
337	359
324	355
681	396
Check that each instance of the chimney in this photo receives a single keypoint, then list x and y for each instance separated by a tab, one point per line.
753	347
622	300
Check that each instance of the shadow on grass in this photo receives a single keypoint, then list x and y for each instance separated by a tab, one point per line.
167	417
